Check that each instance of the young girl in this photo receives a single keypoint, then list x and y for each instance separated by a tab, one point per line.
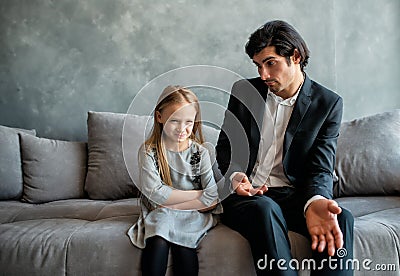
177	185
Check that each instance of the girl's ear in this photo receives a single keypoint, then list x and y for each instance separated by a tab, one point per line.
158	117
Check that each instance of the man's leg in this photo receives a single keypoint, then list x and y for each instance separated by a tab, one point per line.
260	220
341	262
292	207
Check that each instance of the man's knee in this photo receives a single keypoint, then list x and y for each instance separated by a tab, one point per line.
254	214
346	218
346	224
266	209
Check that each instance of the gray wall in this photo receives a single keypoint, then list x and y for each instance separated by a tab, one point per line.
59	59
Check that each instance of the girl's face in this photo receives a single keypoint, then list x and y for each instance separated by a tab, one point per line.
178	120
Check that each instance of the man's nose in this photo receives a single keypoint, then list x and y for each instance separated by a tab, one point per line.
264	74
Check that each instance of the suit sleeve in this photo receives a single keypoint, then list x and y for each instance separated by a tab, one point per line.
319	180
233	145
223	148
227	149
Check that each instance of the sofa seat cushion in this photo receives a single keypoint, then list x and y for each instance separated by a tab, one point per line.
53	238
10	209
68	247
83	209
361	206
58	247
105	249
376	230
36	247
377	238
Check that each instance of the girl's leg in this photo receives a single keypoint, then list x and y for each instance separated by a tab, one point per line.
185	261
155	257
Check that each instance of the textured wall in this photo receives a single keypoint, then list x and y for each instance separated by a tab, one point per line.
59	59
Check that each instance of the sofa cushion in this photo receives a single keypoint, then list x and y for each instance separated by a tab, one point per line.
377	240
107	176
364	205
85	209
368	156
10	163
10	209
52	169
376	231
37	247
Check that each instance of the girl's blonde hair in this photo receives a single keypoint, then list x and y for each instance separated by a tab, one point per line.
172	95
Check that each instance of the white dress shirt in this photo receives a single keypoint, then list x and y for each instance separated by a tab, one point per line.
269	167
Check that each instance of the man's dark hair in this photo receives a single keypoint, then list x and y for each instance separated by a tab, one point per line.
281	35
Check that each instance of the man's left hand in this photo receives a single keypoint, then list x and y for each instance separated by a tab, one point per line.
323	226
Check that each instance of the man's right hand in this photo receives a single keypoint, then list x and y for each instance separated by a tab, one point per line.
243	187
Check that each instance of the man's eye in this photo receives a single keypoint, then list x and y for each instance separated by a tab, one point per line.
270	63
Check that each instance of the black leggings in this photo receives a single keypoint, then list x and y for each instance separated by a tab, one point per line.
155	258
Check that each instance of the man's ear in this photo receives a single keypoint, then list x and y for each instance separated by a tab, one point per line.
296	57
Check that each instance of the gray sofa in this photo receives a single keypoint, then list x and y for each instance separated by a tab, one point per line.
65	206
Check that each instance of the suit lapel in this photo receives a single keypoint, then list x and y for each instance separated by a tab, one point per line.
258	105
258	109
300	108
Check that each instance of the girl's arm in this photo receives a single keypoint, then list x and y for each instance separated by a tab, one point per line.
151	185
183	197
208	199
188	205
193	205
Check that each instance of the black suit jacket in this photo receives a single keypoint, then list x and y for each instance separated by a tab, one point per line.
310	138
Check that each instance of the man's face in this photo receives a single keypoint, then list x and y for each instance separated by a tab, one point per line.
275	71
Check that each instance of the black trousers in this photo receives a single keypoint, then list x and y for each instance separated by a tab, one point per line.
264	220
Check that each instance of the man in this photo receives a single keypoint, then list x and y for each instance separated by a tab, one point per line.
277	146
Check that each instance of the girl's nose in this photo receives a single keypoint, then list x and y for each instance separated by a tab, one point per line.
181	127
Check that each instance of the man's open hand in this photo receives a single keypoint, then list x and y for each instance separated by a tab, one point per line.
243	187
323	226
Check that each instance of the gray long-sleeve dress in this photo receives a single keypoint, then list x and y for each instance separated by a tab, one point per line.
190	169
